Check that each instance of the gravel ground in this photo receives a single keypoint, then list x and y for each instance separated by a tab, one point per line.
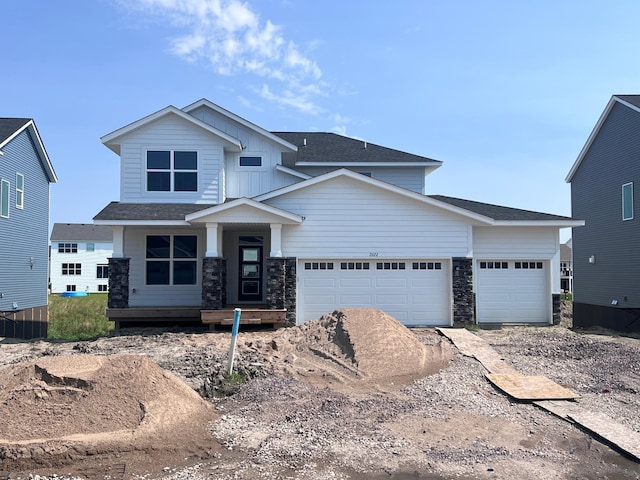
451	424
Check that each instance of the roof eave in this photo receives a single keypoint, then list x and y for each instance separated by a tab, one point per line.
432	163
539	223
141	223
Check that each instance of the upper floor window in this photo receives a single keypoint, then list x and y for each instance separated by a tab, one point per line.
4	198
91	247
172	171
250	161
627	201
71	269
19	190
67	248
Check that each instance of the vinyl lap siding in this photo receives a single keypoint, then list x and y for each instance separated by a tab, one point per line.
170	133
348	220
596	192
88	280
411	178
24	235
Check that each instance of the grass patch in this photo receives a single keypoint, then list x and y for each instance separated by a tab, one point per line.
78	318
566	296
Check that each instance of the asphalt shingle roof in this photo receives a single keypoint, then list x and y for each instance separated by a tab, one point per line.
148	211
81	232
9	126
331	147
498	212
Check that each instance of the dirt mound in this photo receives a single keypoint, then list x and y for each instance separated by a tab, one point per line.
87	403
363	345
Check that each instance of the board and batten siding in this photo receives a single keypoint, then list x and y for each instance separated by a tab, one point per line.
520	243
25	234
170	133
350	219
411	178
160	295
596	197
88	280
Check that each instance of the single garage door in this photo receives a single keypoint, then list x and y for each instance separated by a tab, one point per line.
415	292
512	291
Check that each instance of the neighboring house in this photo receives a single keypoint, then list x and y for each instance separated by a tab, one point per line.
606	258
566	268
25	175
217	212
80	257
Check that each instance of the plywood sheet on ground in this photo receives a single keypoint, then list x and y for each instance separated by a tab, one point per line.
619	436
525	387
473	346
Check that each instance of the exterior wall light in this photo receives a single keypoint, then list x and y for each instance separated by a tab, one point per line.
592	259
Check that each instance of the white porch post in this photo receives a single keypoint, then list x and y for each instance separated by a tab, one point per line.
118	241
276	240
214	240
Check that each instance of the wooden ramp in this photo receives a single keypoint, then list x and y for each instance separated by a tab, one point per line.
544	393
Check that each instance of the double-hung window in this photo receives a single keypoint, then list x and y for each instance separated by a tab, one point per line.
171	260
19	190
627	201
172	171
102	271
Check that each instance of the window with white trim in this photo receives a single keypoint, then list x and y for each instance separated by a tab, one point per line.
91	247
171	260
71	269
102	271
103	288
19	190
4	198
172	171
627	201
71	288
67	248
254	161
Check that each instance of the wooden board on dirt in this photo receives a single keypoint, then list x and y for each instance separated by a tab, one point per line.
525	387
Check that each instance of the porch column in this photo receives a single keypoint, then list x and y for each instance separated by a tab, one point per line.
463	296
213	240
118	241
276	240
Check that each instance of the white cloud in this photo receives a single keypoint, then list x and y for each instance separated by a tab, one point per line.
230	36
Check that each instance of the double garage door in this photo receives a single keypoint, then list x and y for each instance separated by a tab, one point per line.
414	292
514	291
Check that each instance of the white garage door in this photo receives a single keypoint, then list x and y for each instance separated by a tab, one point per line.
415	292
512	291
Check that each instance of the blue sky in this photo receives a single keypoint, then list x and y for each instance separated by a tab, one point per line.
505	93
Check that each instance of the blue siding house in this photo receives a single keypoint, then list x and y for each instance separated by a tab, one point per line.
606	257
25	175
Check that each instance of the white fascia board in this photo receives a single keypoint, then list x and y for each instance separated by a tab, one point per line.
594	134
292	172
434	163
42	153
110	138
240	120
539	223
287	217
343	172
144	223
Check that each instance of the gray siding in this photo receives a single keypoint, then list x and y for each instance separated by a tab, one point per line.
596	197
24	235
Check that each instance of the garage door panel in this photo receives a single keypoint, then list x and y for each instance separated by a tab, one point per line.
411	295
506	294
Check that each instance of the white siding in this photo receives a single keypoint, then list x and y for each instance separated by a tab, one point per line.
348	219
87	281
411	178
170	133
159	295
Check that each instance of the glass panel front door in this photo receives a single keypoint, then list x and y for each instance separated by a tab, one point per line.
250	274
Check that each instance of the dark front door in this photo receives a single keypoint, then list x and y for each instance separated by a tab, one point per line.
250	275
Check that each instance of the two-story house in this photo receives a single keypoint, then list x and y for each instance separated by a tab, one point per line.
606	259
25	176
80	255
566	267
217	212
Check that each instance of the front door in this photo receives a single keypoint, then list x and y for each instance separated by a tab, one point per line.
250	274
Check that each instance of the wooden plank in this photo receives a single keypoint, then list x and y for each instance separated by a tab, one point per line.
153	313
525	387
267	316
617	435
243	321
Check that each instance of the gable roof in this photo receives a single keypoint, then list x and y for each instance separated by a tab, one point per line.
630	101
246	123
81	231
11	127
498	212
117	213
331	149
111	140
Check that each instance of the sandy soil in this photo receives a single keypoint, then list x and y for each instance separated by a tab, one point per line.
355	395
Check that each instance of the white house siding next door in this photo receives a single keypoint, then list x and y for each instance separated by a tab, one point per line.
512	291
414	292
